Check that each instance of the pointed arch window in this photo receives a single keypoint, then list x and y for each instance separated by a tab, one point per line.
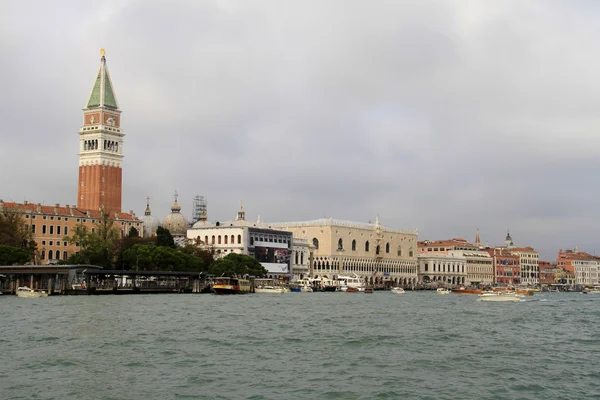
340	244
213	239
354	245
387	247
315	243
377	249
225	239
367	245
239	239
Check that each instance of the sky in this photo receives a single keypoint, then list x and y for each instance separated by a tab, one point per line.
442	116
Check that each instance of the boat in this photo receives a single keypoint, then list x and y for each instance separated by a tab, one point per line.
269	289
226	285
594	290
397	290
442	290
500	296
27	293
368	290
306	289
350	282
464	290
350	289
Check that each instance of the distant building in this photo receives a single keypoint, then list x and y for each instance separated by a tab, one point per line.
548	272
150	222
176	222
480	268
529	265
448	268
378	254
582	265
506	267
51	224
273	248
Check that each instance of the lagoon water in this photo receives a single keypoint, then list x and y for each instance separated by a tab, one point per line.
420	345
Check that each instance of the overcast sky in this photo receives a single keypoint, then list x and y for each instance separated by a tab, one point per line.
445	116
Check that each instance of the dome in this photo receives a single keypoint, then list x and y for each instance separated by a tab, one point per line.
176	222
150	222
201	224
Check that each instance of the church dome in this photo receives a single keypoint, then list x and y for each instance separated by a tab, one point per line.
150	222
176	222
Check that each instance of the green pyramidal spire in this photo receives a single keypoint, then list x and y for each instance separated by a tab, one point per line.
102	94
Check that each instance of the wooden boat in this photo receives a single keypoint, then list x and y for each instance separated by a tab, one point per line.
368	290
464	290
351	290
226	285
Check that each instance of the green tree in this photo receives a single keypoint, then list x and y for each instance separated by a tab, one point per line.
234	264
99	247
150	257
164	237
16	233
10	255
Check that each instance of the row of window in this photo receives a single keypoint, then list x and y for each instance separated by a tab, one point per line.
340	247
51	230
51	243
442	268
53	255
301	257
221	239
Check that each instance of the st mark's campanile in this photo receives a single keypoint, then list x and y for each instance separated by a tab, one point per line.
101	148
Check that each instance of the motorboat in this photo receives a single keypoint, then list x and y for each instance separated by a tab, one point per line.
398	290
225	285
27	293
306	289
594	290
442	290
350	282
464	290
500	296
269	289
368	290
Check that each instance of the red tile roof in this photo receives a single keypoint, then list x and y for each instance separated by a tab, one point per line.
67	211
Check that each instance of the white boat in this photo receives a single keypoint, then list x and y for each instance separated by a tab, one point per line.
306	289
442	290
594	290
269	289
354	283
28	293
500	296
398	290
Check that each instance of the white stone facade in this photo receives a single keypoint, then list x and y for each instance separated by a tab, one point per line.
378	254
445	269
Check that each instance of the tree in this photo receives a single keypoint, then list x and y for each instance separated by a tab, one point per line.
10	255
150	257
16	233
99	247
164	237
234	264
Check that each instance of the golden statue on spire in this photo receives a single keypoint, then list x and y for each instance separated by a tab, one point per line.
102	52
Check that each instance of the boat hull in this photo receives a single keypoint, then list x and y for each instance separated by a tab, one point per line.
467	291
500	297
269	290
26	293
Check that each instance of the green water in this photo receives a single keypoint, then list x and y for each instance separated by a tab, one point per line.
300	346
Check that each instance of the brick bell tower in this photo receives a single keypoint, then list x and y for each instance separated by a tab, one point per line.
101	148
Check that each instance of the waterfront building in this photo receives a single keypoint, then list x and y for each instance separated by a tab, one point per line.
448	268
101	148
528	263
582	265
149	221
548	272
176	223
273	248
564	277
506	267
300	258
480	267
376	253
51	224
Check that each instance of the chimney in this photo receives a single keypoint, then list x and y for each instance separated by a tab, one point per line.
87	213
25	202
56	208
39	208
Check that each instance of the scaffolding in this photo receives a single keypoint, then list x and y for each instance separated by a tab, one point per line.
199	209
